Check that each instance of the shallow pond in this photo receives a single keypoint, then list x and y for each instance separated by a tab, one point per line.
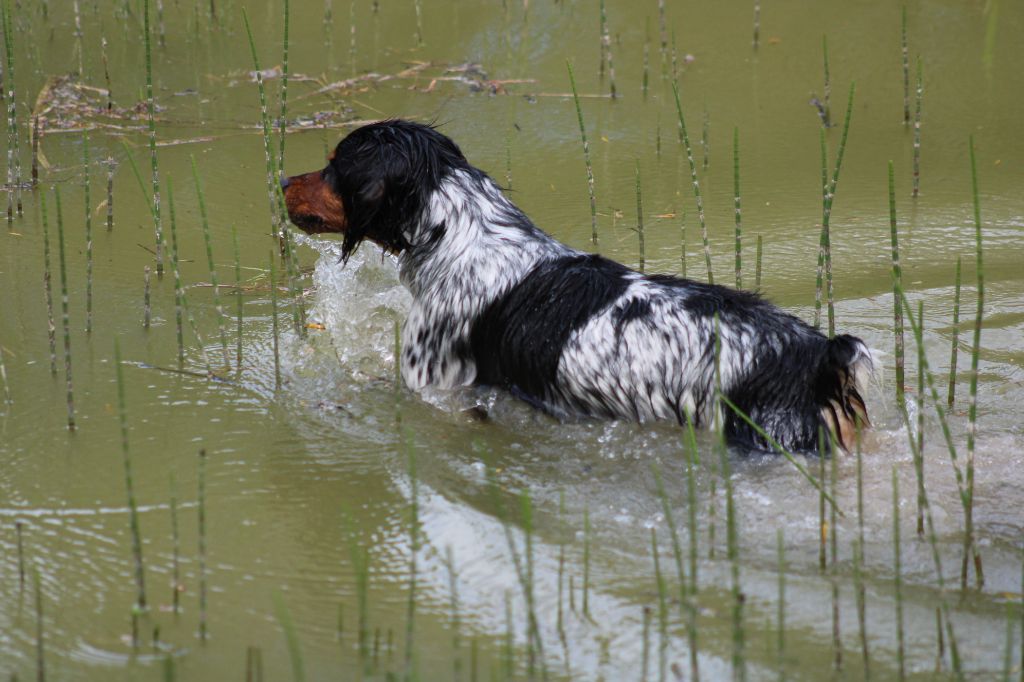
312	486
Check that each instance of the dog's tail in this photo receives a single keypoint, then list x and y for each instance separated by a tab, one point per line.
842	375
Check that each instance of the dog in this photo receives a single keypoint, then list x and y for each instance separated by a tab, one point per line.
496	301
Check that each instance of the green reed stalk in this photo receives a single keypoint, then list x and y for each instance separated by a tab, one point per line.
273	323
201	476
239	299
758	253
822	526
291	268
954	346
675	59
860	598
972	405
283	120
268	153
917	450
906	67
640	217
176	585
736	204
586	151
837	644
414	546
291	637
682	242
586	562
51	327
508	163
13	141
662	34
179	292
781	450
659	583
739	662
604	41
684	139
898	577
897	284
3	377
40	628
677	550
88	239
917	129
151	113
454	617
757	24
780	634
65	318
106	72
111	166
133	512
253	664
147	308
826	119
692	460
705	139
352	38
360	558
613	93
647	49
209	260
418	4
19	531
825	242
934	545
35	149
645	656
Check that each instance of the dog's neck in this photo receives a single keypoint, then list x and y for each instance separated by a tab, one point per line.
471	247
473	242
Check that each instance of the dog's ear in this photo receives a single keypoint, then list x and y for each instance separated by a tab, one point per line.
385	174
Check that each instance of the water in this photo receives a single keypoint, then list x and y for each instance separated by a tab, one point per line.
296	477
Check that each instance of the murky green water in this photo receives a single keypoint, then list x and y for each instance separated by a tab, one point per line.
297	477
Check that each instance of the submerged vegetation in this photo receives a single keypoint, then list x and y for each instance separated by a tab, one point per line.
606	534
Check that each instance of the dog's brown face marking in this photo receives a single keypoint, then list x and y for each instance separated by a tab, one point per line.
312	204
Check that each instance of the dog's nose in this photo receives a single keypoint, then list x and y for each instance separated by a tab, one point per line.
285	182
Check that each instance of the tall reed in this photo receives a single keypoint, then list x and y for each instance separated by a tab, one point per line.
757	24
825	242
179	290
283	117
111	167
88	237
147	307
586	153
917	129
897	286
736	205
209	260
13	138
51	327
780	633
65	318
291	637
273	323
758	253
898	576
826	117
151	118
35	149
692	460
684	139
176	585
640	217
954	345
40	628
906	66
705	139
133	512
970	548
239	300
201	517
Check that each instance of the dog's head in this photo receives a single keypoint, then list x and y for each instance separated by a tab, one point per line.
376	185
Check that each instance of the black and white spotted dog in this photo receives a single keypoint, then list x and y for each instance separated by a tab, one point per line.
496	301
